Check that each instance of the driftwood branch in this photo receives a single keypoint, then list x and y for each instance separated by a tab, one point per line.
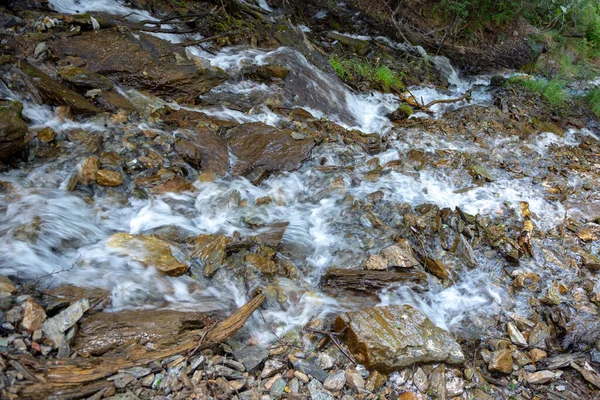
60	375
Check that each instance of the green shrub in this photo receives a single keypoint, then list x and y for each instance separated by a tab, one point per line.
593	100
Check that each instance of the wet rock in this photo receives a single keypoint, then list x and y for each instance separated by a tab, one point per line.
465	252
400	255
46	135
12	129
479	173
33	315
107	177
588	260
210	249
437	382
89	169
501	361
98	334
401	113
310	369
6	285
539	334
261	150
355	380
251	356
335	381
389	338
142	61
148	250
55	93
317	392
438	268
263	264
165	181
80	77
265	73
411	396
358	46
540	377
54	328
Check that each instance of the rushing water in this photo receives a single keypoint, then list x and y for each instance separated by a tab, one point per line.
45	229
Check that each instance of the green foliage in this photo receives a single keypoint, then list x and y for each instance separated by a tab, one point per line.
552	91
354	71
593	100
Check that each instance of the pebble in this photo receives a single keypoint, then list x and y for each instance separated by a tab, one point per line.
310	369
540	377
271	368
303	377
420	380
278	388
271	382
501	361
317	392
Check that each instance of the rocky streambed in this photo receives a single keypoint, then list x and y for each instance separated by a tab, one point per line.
216	215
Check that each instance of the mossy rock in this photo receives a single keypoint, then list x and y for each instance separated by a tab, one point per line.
402	113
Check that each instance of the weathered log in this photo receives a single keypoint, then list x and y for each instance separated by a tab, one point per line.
370	281
62	374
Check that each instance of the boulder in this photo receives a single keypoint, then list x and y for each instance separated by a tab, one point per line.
261	150
55	93
148	250
142	61
390	338
204	149
12	129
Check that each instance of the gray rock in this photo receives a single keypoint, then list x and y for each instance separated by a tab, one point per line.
317	392
55	327
271	368
310	369
335	381
278	388
138	372
251	356
355	379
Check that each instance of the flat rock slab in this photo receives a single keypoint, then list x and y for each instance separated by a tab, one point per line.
251	356
390	338
141	61
261	150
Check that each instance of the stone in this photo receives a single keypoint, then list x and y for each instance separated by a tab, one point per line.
335	381
148	250
89	170
325	361
278	388
375	381
538	335
540	377
33	315
420	380
107	177
137	372
55	93
438	268
12	129
55	327
46	135
588	260
165	181
142	61
317	392
400	255
210	249
376	263
271	368
411	396
251	356
301	376
537	355
82	78
389	338
454	387
501	361
359	46
402	113
263	264
269	383
261	150
515	335
6	285
310	369
355	379
437	382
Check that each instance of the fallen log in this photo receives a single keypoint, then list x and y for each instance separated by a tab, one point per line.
370	281
58	376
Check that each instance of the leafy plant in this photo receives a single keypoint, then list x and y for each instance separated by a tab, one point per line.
381	76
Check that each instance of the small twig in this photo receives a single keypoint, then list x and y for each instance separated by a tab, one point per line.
332	337
210	328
